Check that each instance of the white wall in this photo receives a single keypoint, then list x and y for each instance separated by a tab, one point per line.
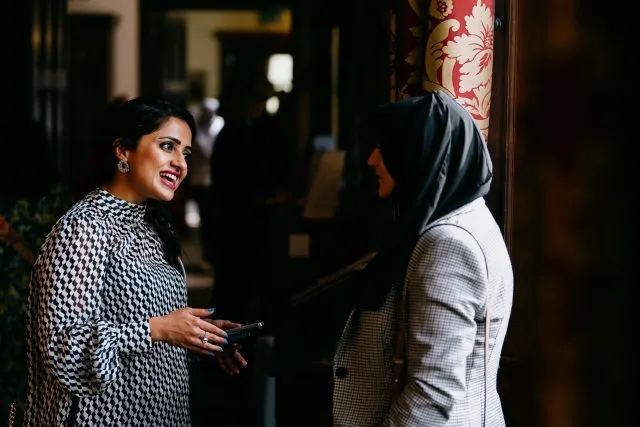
203	49
126	34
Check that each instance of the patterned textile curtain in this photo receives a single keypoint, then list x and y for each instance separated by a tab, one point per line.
447	45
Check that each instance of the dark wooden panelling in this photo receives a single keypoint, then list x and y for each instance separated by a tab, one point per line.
163	67
90	64
35	51
215	4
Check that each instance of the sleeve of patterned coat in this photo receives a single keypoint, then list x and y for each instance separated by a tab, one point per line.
446	287
82	350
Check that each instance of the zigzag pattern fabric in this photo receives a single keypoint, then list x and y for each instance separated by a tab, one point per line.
99	277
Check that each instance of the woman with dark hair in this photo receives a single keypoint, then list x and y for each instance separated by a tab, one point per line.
441	271
108	325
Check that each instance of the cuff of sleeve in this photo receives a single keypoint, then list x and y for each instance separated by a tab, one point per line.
135	338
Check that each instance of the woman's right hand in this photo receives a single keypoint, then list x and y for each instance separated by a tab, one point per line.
187	328
231	361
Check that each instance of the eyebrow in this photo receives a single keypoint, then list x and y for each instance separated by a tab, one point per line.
176	140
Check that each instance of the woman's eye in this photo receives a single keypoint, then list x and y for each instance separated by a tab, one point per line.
167	146
187	154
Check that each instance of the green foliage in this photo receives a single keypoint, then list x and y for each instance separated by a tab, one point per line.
32	219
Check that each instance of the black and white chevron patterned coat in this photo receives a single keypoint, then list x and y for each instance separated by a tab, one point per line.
99	277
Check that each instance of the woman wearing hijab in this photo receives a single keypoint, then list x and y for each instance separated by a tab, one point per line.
441	269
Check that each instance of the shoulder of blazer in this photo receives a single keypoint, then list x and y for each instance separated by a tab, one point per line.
453	220
453	216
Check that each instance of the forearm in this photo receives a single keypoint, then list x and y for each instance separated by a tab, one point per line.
416	407
86	358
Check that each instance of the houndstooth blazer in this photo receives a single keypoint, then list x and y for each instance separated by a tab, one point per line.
458	264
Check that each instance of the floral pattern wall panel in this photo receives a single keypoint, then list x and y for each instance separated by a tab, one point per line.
447	45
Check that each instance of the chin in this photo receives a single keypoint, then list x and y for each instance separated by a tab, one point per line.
164	195
383	194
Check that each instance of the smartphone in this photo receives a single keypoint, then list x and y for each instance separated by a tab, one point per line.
243	332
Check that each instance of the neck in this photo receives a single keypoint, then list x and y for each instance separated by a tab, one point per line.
123	191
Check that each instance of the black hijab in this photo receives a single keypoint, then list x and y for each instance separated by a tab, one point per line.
433	149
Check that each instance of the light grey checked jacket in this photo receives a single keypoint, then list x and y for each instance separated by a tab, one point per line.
459	263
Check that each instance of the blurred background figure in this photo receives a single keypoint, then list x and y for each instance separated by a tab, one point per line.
209	124
241	185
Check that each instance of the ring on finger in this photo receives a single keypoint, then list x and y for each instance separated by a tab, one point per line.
205	339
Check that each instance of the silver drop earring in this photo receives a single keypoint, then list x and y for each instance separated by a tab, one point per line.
123	166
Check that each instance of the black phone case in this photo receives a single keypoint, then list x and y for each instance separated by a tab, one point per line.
243	332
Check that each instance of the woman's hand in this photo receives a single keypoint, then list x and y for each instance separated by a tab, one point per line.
187	328
230	360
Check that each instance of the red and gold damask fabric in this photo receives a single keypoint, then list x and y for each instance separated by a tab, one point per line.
446	45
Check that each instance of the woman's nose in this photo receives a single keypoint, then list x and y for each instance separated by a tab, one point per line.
180	161
372	160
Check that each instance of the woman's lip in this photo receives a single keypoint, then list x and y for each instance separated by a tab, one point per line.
171	172
171	185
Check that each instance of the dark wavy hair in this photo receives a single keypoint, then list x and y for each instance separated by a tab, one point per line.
128	122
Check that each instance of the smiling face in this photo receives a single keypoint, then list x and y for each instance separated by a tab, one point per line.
386	183
157	166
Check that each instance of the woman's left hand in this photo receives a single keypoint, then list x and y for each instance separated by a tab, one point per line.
230	360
